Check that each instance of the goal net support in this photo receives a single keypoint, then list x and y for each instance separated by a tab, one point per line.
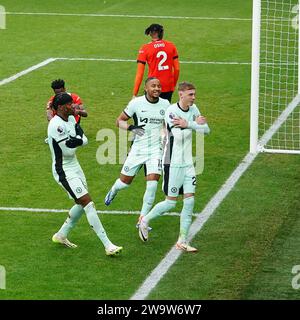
275	77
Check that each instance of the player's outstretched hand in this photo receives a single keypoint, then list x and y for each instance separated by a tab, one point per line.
139	130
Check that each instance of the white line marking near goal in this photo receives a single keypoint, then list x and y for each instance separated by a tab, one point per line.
276	125
22	73
162	268
44	210
125	16
131	60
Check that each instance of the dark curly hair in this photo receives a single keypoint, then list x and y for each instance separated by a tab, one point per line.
58	84
155	28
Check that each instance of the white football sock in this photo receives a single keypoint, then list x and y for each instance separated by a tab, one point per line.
96	224
149	196
159	209
118	185
186	218
74	215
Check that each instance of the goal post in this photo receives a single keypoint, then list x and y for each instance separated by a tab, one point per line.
275	77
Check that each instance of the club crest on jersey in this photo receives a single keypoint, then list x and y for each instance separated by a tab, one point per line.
60	129
171	116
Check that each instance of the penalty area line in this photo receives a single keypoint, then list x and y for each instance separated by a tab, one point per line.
166	263
157	274
26	71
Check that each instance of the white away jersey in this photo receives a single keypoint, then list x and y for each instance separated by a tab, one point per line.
152	116
178	149
64	160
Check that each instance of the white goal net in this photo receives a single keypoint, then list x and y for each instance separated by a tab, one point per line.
277	109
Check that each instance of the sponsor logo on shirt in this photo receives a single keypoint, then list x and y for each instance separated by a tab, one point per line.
156	121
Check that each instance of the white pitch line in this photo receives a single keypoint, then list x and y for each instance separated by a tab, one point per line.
45	210
131	60
47	61
125	16
22	73
173	254
98	59
31	209
279	121
166	263
216	62
162	268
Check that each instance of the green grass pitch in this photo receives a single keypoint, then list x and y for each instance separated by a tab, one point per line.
247	249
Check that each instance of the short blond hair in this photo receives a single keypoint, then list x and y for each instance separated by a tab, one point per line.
183	86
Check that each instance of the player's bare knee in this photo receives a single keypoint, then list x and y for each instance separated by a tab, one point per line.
188	195
126	179
152	177
84	200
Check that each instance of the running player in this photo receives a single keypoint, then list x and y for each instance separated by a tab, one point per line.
148	112
64	136
181	118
